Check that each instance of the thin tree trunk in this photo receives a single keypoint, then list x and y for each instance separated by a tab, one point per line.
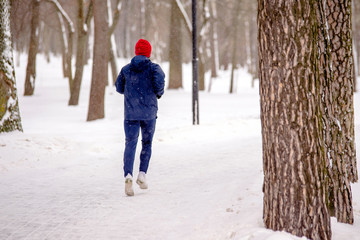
100	62
33	49
69	54
203	33
234	43
202	70
142	19
293	157
46	42
253	46
125	30
9	106
175	48
112	44
67	42
112	61
82	41
63	43
213	39
149	12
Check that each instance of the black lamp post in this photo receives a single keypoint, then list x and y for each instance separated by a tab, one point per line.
195	93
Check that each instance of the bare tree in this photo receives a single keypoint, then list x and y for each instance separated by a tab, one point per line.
33	49
293	157
214	47
34	44
9	106
83	23
67	39
100	62
113	20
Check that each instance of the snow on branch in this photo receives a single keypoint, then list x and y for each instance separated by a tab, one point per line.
113	20
64	14
185	16
63	30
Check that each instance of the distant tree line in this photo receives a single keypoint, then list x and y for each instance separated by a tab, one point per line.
60	25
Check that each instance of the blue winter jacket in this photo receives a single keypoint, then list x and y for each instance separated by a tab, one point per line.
142	83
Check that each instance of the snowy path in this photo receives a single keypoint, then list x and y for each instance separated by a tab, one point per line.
205	183
194	194
196	188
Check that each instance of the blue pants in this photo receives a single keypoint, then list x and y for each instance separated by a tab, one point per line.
132	128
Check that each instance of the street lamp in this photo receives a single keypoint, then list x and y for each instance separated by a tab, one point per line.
195	93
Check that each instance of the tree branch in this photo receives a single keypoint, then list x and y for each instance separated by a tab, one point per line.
185	16
116	17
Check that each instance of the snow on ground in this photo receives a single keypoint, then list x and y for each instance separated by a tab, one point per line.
62	178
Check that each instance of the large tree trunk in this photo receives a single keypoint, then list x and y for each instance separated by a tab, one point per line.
82	41
293	156
100	62
9	107
33	49
337	104
175	48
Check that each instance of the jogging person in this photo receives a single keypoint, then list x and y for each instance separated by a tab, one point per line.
142	83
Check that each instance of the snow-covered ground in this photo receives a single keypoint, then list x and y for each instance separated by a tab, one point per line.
62	178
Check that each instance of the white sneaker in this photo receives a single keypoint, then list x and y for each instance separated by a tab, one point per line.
128	186
141	180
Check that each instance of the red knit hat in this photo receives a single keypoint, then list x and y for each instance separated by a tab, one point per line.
143	47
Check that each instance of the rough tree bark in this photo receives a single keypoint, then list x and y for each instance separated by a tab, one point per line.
33	49
337	78
293	157
9	107
340	30
100	62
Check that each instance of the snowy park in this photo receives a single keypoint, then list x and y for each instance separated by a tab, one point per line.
62	177
179	120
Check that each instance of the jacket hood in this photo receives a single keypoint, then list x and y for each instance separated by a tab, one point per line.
139	63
